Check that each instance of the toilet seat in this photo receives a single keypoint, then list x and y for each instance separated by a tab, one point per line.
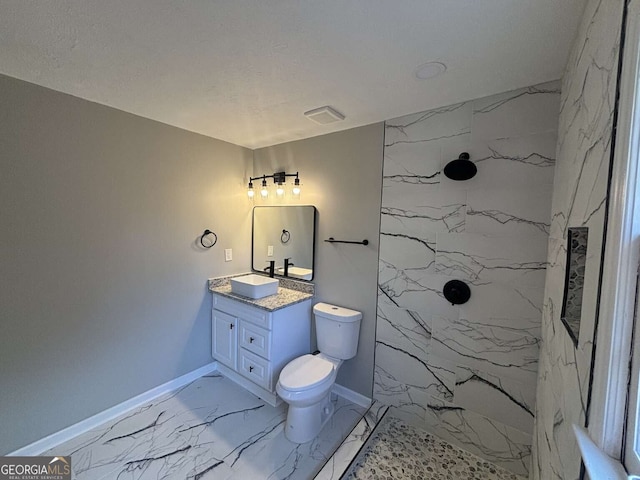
306	372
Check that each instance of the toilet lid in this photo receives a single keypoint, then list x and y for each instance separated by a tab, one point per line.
305	372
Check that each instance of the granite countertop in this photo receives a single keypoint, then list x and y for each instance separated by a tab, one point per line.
289	293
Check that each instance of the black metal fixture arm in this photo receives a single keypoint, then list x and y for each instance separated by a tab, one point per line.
333	240
278	177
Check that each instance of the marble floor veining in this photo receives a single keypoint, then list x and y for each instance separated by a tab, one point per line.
214	429
340	461
208	429
399	451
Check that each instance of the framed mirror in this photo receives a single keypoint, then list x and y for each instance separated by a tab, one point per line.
284	232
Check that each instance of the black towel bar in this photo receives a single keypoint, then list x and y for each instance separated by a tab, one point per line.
333	240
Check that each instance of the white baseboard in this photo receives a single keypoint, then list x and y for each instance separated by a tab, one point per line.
44	444
353	397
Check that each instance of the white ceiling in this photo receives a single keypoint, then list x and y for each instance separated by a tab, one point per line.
244	71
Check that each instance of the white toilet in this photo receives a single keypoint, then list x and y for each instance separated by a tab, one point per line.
305	382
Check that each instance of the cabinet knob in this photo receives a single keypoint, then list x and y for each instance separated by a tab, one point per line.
231	326
250	368
251	339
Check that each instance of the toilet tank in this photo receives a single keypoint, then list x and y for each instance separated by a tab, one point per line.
337	330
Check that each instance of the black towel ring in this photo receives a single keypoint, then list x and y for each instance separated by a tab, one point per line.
286	235
208	232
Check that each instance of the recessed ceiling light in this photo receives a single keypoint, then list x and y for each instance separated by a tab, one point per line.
429	70
324	115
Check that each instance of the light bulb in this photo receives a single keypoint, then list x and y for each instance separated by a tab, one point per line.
264	192
296	187
250	191
280	190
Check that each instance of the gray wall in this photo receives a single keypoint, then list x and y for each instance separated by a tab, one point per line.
103	288
579	194
341	174
467	373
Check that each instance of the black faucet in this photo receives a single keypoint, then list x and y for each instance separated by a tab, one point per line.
287	264
271	268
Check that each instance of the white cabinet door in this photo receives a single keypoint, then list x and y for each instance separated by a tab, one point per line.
224	342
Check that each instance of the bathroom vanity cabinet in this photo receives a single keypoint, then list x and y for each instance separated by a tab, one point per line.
252	345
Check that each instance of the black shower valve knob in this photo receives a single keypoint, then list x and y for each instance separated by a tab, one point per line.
457	292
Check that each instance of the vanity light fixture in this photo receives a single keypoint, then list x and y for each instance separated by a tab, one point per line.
279	178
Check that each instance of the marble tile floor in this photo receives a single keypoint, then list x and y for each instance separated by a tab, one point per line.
208	429
340	461
399	451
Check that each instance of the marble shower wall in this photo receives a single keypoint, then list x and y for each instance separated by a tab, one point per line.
467	373
580	191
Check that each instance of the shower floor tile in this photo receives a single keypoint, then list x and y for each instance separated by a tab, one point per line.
209	429
399	451
340	461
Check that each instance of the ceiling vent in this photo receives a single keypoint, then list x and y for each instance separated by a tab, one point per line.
324	115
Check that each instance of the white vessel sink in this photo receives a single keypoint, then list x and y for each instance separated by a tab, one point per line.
254	286
297	272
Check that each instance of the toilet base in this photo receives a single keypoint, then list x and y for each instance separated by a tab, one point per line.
304	423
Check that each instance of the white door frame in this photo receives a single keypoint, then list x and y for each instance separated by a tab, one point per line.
622	248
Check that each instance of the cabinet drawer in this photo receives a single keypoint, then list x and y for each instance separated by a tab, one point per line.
254	368
255	339
238	309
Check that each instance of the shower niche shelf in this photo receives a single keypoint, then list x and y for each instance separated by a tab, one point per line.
577	239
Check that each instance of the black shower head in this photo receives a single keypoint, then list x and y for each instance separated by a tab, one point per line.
461	168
